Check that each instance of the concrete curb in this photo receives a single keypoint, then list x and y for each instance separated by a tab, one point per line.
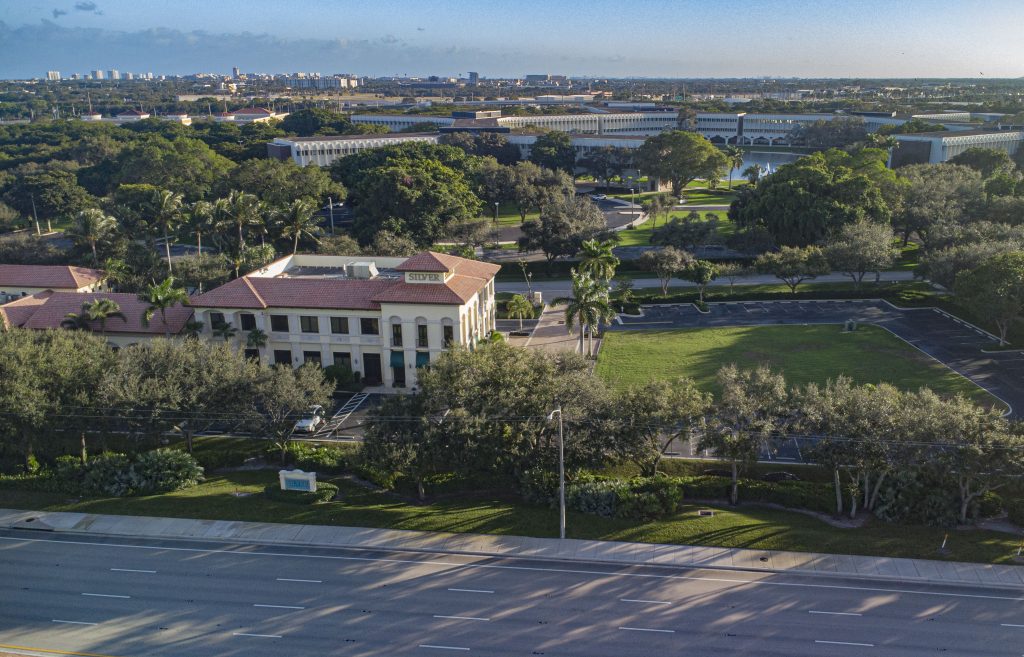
905	571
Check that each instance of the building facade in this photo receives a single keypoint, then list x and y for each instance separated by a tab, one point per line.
18	281
381	317
936	147
638	123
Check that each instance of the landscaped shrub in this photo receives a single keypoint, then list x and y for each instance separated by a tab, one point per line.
539	486
706	487
918	497
1015	512
599	498
988	505
164	470
215	459
639	498
322	458
385	480
325	492
108	473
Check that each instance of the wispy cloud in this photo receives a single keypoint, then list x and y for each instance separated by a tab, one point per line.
57	13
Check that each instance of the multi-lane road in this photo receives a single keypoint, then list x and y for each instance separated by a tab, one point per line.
125	597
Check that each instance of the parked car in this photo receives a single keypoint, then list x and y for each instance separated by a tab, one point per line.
312	420
598	197
779	476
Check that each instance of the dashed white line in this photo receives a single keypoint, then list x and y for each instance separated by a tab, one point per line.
645	602
427	645
131	570
258	636
67	622
1010	625
278	607
307	581
469	618
107	595
846	643
471	590
835	613
644	629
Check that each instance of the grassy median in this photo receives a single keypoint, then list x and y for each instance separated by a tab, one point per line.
237	496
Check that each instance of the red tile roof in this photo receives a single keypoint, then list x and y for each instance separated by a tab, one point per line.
50	309
59	277
133	112
470	276
254	110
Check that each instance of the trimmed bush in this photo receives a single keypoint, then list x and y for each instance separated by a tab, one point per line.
164	470
215	459
325	492
321	458
1015	512
108	474
988	505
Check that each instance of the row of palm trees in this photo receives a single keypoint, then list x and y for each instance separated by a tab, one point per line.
238	214
159	297
590	305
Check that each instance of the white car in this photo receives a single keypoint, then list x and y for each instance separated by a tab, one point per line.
311	422
598	197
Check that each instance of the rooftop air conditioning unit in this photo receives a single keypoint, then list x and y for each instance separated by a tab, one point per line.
361	270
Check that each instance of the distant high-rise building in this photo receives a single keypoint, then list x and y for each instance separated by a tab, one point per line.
129	76
235	72
114	74
474	77
76	76
53	76
97	75
149	76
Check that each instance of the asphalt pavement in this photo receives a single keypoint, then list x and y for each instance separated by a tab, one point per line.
132	597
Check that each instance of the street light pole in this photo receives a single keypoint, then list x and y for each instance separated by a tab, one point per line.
330	206
495	213
561	473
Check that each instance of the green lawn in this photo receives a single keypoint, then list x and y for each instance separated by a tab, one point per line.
641	236
804	354
747	527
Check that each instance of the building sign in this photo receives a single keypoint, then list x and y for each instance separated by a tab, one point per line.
424	277
297	480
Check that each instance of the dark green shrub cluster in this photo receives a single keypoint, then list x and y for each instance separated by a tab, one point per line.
1015	512
639	498
325	492
116	475
322	458
988	505
918	496
215	459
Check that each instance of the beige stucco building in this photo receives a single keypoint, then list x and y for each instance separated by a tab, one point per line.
25	280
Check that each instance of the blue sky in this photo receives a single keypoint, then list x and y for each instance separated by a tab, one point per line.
677	38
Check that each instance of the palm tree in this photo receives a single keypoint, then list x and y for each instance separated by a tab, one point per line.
256	339
753	173
193	328
587	307
160	297
225	330
299	221
243	210
519	306
91	227
734	158
97	310
598	261
117	271
167	205
200	220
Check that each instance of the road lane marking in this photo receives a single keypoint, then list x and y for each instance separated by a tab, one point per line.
131	570
644	629
258	636
307	581
571	571
427	645
846	643
1010	625
66	622
107	595
835	613
646	602
279	606
471	590
472	618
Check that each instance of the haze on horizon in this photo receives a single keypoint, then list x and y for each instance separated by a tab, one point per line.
646	38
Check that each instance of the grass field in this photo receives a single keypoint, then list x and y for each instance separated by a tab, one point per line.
749	527
804	354
641	236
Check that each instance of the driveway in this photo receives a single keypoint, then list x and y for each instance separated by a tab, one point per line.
944	337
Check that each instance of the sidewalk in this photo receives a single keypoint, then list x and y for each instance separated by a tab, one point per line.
911	571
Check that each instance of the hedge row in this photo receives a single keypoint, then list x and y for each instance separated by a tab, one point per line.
114	475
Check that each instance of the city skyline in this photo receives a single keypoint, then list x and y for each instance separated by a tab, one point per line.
793	38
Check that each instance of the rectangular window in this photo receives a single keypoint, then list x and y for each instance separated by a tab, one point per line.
343	358
339	325
449	335
311	357
282	357
309	324
216	320
279	323
369	326
396	335
252	354
248	321
421	335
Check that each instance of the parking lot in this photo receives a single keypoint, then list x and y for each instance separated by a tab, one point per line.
944	337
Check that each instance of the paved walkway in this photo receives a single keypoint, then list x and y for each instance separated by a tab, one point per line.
550	333
921	571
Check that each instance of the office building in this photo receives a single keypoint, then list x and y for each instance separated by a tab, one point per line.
936	147
97	75
53	76
474	78
114	74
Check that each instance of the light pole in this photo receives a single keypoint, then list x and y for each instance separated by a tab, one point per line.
330	208
632	197
561	473
495	213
